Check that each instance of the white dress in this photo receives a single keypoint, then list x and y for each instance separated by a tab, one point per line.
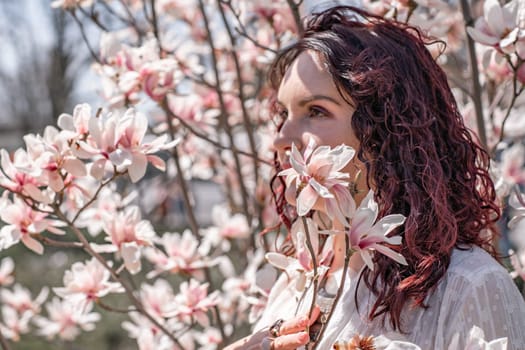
476	291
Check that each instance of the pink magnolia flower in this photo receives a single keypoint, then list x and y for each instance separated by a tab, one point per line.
119	139
20	299
22	221
16	177
512	162
66	319
76	126
182	254
7	266
366	235
193	302
500	27
14	323
52	158
158	299
315	176
302	263
150	337
159	77
105	207
87	282
128	234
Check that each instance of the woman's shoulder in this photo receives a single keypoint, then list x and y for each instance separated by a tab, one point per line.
473	263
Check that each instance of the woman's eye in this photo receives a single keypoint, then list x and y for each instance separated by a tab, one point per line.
317	112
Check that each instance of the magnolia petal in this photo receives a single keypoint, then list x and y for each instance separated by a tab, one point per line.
121	157
278	260
66	122
137	169
493	13
55	181
131	255
75	167
306	200
345	200
33	244
391	254
98	168
481	37
386	224
309	148
320	189
157	162
334	211
367	258
515	200
296	160
342	156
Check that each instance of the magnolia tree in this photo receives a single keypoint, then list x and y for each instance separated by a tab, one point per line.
183	87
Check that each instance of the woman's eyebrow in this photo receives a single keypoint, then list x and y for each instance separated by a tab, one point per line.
312	98
318	97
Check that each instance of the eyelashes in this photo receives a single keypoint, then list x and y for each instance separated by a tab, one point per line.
313	112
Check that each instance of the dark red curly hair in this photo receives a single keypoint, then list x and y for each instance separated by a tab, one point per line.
421	159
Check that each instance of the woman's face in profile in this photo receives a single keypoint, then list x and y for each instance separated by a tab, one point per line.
312	107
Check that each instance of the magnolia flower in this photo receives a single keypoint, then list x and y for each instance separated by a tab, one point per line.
22	221
76	125
366	235
119	139
158	299
15	176
315	176
500	27
302	262
66	319
127	234
14	323
182	254
512	162
51	156
193	302
159	77
150	337
20	299
87	281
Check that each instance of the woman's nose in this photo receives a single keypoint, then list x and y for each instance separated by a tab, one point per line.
289	133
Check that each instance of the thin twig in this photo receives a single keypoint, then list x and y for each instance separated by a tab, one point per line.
476	87
313	255
348	254
55	243
84	37
294	7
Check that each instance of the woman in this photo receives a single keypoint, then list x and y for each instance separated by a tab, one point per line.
370	83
